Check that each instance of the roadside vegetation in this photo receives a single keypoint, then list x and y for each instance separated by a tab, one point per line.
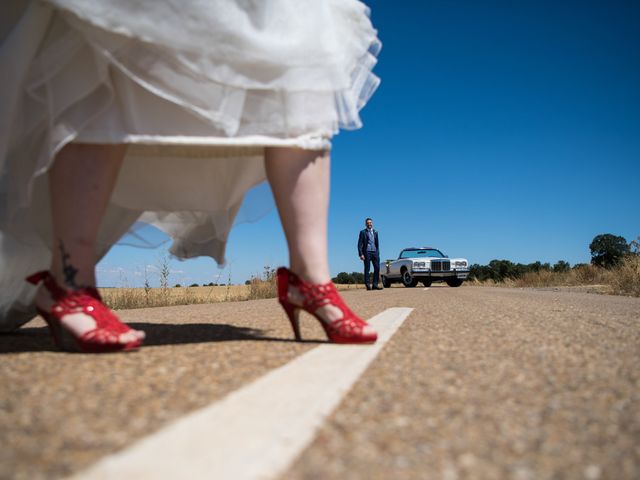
353	278
614	268
259	286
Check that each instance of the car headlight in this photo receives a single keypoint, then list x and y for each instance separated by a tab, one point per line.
459	264
419	264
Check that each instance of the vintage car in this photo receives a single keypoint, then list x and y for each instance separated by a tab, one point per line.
424	265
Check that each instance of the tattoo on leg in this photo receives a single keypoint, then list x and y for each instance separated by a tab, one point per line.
69	270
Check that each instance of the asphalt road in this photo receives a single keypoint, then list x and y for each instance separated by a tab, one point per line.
477	383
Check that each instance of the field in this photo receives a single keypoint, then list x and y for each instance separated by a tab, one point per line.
125	298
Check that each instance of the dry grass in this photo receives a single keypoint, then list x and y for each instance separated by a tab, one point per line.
621	280
126	298
260	286
122	298
626	280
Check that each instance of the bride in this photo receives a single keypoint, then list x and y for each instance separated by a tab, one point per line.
168	112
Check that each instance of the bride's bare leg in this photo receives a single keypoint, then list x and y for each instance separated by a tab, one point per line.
300	182
81	181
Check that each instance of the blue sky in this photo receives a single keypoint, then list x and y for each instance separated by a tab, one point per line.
500	130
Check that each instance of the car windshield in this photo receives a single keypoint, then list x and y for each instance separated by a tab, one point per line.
423	252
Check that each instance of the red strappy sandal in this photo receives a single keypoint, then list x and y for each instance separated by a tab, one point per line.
347	329
102	339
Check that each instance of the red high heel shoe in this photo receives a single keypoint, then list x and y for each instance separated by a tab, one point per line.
347	329
102	339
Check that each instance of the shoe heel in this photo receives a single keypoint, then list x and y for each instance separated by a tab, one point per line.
292	311
56	333
294	318
53	326
61	338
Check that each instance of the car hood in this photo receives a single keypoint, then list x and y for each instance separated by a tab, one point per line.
424	259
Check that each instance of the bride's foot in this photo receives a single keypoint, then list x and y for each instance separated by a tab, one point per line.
324	302
79	321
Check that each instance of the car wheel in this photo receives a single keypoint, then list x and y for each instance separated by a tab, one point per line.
426	283
408	280
385	282
454	282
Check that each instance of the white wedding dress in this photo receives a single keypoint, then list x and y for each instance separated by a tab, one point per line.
195	88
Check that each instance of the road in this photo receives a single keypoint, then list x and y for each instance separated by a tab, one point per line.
477	382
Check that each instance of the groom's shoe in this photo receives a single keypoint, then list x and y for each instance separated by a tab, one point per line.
367	287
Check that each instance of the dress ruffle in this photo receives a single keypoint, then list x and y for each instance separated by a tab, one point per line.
196	89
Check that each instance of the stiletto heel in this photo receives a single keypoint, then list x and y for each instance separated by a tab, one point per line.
294	317
347	329
102	339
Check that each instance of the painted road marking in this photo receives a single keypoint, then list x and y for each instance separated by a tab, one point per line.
258	430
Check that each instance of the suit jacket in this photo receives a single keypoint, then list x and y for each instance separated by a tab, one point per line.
362	241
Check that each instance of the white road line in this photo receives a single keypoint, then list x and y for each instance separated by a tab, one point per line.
258	430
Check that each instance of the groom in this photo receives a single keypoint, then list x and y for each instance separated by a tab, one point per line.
369	251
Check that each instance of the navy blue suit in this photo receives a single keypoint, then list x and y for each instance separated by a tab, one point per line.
369	257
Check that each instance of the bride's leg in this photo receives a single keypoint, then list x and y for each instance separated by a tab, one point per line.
300	183
81	181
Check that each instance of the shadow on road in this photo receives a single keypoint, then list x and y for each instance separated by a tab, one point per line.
38	339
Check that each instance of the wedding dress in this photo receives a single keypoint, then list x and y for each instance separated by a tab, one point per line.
196	89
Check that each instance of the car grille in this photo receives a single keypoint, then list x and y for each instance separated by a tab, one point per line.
440	265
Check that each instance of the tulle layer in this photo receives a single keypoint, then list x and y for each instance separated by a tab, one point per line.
196	89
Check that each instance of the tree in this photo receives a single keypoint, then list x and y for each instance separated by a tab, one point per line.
480	272
358	277
561	266
607	250
501	269
343	278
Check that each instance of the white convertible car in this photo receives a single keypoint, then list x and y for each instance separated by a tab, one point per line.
424	265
